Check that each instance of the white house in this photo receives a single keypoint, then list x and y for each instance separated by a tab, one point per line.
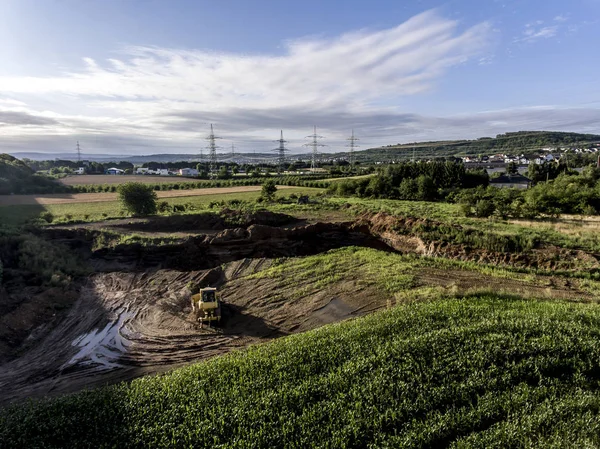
80	171
187	172
141	171
163	171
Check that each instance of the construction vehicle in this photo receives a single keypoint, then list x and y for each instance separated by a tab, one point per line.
207	305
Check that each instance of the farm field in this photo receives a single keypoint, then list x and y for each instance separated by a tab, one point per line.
17	200
75	180
62	208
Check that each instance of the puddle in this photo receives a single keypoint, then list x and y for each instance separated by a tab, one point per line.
103	348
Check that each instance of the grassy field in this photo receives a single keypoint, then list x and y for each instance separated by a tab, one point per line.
16	215
480	371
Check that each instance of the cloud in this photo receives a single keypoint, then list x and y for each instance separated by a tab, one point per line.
165	94
534	32
373	127
17	118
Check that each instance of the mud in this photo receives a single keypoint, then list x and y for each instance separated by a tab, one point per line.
125	325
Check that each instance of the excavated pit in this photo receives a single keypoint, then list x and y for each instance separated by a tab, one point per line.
131	317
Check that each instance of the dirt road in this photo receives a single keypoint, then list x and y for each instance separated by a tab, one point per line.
14	200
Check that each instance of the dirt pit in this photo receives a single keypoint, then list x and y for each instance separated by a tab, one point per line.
132	317
128	324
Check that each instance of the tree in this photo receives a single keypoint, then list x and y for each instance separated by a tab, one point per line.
268	190
138	198
223	173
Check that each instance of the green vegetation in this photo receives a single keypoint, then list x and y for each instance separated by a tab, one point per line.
97	211
480	371
16	177
510	142
137	198
268	190
422	181
175	183
390	272
38	261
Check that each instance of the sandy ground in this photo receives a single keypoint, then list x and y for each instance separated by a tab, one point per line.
120	179
14	200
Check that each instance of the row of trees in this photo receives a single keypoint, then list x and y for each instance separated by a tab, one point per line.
566	194
413	181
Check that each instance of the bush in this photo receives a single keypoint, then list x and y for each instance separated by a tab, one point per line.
163	207
484	208
47	216
268	190
138	198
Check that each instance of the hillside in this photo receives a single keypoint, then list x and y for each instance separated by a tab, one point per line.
478	371
521	141
17	177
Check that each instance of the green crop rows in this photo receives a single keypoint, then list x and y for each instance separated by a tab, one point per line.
480	371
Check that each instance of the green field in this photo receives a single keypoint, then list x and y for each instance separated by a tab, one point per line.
480	371
17	215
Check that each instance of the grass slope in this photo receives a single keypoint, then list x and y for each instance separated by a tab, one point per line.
480	371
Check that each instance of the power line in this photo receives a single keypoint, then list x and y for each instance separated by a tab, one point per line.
314	145
78	152
212	146
352	146
281	153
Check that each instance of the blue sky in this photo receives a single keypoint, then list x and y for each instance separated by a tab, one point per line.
141	77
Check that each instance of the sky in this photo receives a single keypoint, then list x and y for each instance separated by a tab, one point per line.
133	77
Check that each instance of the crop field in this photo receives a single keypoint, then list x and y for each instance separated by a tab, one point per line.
100	206
476	371
121	179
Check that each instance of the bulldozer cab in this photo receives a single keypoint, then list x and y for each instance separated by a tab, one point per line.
208	295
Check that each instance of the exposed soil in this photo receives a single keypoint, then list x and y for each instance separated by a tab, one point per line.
132	316
128	324
398	234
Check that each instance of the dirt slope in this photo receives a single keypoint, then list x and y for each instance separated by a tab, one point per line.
128	324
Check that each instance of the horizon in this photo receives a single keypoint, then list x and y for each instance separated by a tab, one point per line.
148	78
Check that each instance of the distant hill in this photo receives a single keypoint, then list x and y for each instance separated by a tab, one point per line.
521	141
226	157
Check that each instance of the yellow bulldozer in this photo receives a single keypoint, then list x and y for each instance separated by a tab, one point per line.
207	306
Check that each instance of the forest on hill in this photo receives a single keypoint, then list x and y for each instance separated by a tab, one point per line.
521	141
